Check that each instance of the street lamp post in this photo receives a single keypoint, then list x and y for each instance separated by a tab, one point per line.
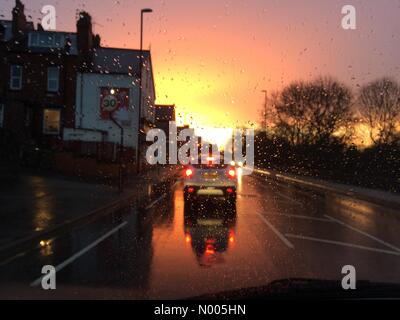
121	151
142	12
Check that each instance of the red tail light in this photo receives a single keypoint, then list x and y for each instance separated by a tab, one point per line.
210	249
232	173
189	173
190	189
231	236
229	190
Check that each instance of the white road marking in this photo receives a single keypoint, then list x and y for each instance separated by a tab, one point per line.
345	244
284	197
279	184
82	252
298	216
276	231
363	233
155	202
17	256
288	198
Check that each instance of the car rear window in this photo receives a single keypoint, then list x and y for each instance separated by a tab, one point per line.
211	166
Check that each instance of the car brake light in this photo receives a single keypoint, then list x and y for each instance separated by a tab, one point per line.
232	173
189	173
229	190
210	161
190	189
231	236
210	249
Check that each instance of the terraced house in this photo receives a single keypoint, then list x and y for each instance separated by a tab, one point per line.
54	86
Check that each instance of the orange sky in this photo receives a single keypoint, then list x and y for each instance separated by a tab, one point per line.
213	58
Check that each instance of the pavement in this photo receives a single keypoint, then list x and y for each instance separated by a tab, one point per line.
159	252
35	203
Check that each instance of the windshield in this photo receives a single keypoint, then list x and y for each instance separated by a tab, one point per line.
103	106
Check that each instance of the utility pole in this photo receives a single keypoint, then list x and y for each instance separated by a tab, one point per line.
138	156
121	152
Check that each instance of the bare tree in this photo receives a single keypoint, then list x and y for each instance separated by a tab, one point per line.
379	103
310	113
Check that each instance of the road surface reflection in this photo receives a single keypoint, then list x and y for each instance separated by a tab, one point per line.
210	237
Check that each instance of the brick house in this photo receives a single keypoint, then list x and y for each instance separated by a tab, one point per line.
37	85
45	102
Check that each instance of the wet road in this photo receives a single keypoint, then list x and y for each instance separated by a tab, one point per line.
278	232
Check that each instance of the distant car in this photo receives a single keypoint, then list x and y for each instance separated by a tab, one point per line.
210	182
237	164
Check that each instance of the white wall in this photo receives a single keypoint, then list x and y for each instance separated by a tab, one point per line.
71	134
148	96
88	106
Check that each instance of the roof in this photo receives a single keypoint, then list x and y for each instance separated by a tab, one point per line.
116	60
45	36
121	61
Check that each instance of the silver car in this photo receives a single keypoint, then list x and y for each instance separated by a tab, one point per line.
210	182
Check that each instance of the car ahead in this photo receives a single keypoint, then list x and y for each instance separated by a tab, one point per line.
216	182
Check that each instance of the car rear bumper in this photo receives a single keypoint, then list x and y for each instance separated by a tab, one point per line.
217	193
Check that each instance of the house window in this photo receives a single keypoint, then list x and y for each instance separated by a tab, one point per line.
46	39
16	77
1	114
58	40
33	39
53	75
51	121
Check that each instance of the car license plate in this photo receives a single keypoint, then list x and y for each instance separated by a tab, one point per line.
209	222
210	192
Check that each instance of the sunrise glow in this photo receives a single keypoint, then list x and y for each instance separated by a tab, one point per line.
213	59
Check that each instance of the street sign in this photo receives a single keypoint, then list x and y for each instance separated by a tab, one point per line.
109	103
113	101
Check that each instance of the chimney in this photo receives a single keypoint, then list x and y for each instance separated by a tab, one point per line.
97	41
2	32
85	33
19	21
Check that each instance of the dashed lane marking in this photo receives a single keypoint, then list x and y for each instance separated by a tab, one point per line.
298	216
344	244
276	231
155	202
363	233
